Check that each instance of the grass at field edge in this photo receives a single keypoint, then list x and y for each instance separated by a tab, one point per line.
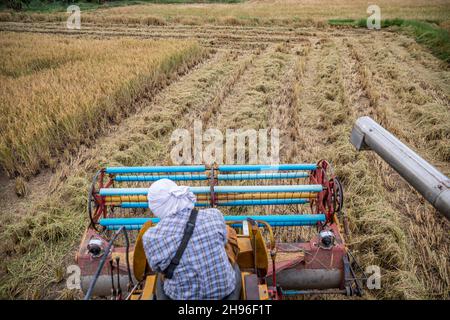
427	33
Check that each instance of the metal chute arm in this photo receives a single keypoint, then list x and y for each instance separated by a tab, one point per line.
426	179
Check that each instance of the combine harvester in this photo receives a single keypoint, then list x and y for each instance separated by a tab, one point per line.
288	217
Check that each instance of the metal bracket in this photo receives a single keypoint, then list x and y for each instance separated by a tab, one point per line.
357	139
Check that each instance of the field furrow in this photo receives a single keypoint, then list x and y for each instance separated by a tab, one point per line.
211	36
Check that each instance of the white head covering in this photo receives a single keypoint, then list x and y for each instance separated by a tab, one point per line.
165	198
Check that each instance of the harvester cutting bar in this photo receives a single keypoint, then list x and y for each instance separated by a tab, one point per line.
273	220
218	189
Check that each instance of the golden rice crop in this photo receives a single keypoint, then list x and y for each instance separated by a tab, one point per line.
267	11
254	12
58	93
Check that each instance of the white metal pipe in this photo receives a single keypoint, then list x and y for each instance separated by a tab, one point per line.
426	179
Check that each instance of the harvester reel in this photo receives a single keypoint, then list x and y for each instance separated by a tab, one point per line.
117	202
338	196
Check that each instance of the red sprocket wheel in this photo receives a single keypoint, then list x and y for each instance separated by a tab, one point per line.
329	200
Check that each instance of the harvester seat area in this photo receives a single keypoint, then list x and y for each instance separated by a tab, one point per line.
235	295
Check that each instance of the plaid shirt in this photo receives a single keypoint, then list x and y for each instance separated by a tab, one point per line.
204	271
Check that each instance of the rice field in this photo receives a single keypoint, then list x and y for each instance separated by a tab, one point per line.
309	81
253	12
282	12
57	94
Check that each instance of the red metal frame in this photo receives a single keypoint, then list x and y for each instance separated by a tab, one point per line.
100	206
324	201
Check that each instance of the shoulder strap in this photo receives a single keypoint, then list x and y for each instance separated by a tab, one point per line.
188	231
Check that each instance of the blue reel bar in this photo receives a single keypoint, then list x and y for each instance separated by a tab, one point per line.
274	221
137	178
199	172
218	189
264	167
155	169
202	168
142	191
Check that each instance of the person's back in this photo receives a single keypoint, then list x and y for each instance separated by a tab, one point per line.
204	271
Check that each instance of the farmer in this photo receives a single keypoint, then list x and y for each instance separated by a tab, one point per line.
204	270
